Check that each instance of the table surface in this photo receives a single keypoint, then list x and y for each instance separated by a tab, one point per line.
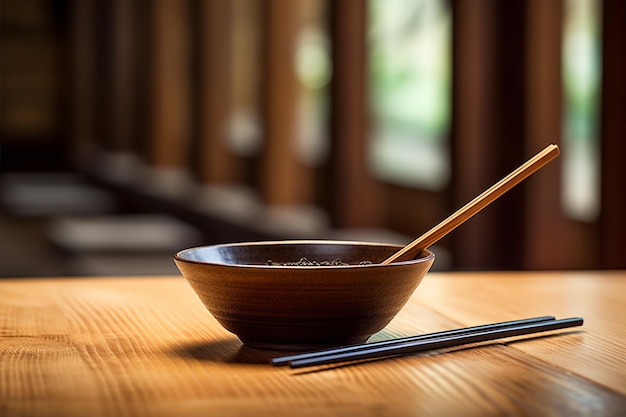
146	346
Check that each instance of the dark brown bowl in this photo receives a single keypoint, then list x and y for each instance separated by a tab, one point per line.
301	307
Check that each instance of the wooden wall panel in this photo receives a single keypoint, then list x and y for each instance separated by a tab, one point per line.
214	163
83	85
355	201
549	242
284	180
613	145
170	96
473	149
122	75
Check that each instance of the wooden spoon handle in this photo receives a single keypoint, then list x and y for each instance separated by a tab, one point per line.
488	196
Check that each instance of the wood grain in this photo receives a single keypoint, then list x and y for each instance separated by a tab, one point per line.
147	347
596	353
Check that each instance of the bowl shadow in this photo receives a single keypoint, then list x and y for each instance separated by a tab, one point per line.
230	350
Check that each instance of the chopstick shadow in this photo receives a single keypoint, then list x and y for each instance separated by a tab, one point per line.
329	367
226	351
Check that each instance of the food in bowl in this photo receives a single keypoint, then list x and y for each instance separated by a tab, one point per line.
307	262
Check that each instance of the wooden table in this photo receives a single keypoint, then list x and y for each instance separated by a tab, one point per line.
140	346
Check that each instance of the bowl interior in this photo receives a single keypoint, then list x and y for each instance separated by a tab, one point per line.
260	253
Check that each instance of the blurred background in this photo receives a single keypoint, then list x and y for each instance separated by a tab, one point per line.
131	129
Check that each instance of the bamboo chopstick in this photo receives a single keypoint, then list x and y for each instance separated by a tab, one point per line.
438	342
285	360
488	196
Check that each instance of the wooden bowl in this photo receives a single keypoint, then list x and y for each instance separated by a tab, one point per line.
301	307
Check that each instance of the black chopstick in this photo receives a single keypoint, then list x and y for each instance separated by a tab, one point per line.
286	360
439	342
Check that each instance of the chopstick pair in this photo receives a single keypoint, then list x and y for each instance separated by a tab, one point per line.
428	341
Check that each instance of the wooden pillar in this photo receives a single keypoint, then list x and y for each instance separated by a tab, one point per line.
83	64
214	162
613	146
104	84
488	128
285	181
103	24
245	128
473	55
545	246
355	199
114	79
552	241
170	98
122	82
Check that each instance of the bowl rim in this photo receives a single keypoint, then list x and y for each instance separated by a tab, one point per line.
178	255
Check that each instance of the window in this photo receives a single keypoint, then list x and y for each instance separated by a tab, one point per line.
410	77
244	134
313	72
581	77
